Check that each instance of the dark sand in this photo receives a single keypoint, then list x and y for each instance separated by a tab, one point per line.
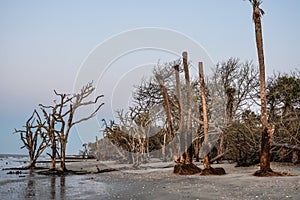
152	181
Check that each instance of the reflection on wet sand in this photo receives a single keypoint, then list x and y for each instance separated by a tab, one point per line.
52	187
30	192
62	187
38	187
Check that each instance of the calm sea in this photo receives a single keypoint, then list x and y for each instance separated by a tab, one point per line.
13	160
34	186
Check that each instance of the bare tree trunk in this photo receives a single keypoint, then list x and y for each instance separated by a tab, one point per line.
147	143
189	156
32	163
167	108
164	148
181	123
295	157
266	138
63	156
53	156
64	139
53	144
228	118
196	148
186	166
206	162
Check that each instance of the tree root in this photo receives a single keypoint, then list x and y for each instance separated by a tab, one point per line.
213	171
270	172
186	169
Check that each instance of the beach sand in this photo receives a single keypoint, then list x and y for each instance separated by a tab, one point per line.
153	180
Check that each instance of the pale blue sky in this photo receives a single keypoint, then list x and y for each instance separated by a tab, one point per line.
43	43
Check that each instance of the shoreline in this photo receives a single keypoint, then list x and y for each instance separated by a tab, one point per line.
153	180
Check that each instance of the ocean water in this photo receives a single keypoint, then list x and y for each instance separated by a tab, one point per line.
29	185
13	160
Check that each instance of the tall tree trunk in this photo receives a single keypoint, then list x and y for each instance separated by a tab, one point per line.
64	139
206	163
167	108
181	123
53	145
266	138
52	136
186	166
189	158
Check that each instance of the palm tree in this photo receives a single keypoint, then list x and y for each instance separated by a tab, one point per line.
266	135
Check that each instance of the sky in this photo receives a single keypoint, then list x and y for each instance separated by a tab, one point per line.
44	44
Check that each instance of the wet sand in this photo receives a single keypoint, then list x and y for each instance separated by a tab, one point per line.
152	181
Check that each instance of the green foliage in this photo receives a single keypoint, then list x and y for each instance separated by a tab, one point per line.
283	96
244	139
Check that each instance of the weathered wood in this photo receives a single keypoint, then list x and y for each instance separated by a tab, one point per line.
166	104
167	110
188	102
60	119
206	162
180	111
33	138
265	142
217	158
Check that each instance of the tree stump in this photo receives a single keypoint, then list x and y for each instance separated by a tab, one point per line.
186	169
213	171
270	172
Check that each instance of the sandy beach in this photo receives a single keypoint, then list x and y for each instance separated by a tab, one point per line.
153	180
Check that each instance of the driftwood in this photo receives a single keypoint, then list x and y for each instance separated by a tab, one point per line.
217	158
104	170
73	172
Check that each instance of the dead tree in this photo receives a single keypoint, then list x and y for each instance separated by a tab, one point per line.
185	165
142	120
34	138
189	157
206	163
207	168
166	106
63	111
130	136
119	138
51	132
237	84
180	115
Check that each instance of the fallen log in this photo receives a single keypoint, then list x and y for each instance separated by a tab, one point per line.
217	158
